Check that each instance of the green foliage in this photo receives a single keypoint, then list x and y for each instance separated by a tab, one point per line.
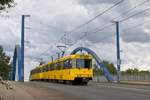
110	66
6	4
97	72
4	64
135	71
113	71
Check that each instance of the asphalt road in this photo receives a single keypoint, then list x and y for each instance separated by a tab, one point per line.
101	91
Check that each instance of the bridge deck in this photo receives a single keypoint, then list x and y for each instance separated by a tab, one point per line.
93	91
32	91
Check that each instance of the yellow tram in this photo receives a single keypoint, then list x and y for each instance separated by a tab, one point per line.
75	69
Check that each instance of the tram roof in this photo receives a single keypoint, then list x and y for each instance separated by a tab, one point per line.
74	56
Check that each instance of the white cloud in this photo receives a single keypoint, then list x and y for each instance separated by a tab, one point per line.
49	19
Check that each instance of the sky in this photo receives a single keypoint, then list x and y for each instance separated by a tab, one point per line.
51	19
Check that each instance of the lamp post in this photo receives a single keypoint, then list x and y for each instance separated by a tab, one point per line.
118	50
21	78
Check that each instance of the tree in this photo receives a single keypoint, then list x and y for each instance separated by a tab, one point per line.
110	66
134	71
4	64
97	71
145	72
6	4
129	71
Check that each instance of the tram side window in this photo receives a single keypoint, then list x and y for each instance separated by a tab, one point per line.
48	67
37	71
83	63
67	64
61	65
51	66
57	66
44	68
88	63
32	72
40	69
54	66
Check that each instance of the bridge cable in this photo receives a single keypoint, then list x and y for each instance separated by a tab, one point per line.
80	26
116	17
122	20
92	19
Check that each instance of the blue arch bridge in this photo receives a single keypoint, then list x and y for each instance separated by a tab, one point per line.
17	72
16	65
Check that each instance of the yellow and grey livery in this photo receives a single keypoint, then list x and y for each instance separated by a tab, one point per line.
76	69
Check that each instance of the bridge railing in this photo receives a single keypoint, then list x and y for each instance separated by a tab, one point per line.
136	77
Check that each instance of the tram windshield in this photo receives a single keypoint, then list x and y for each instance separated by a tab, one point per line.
83	63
